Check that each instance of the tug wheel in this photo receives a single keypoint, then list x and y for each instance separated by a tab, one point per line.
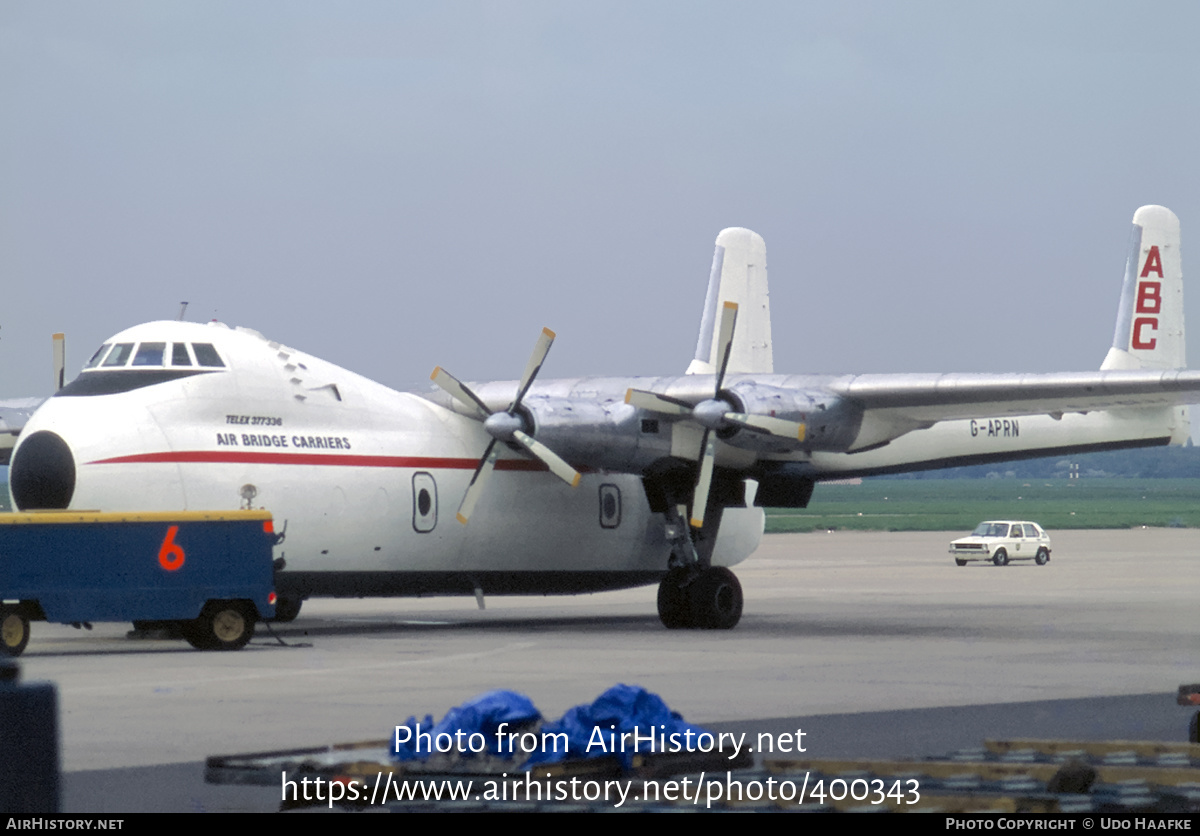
14	631
222	625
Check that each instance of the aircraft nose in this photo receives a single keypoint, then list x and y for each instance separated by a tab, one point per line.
42	472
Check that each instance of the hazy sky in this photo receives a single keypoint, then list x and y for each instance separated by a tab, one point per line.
392	186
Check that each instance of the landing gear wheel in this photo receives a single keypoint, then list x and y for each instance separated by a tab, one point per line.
286	609
1000	558
716	599
674	609
223	625
958	561
1042	557
14	631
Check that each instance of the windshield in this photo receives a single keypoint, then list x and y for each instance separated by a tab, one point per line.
991	529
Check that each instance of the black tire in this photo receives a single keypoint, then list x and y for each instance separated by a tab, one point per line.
1000	558
674	609
1042	557
287	608
1194	728
716	599
14	631
223	625
960	561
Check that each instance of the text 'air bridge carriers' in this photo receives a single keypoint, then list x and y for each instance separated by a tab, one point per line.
209	574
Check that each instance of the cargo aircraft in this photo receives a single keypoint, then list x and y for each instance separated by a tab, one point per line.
568	486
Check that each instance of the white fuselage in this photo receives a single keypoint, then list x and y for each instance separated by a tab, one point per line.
366	479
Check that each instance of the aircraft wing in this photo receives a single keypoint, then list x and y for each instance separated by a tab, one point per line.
928	398
894	405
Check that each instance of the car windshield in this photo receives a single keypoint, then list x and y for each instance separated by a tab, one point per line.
991	529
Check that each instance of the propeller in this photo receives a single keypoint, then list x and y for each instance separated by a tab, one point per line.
714	414
507	426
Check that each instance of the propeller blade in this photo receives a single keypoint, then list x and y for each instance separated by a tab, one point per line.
700	495
459	391
487	464
540	350
768	424
657	403
548	457
60	361
728	319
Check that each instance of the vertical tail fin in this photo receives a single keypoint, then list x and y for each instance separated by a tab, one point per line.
1149	332
739	275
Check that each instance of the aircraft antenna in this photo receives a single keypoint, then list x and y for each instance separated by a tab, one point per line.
182	310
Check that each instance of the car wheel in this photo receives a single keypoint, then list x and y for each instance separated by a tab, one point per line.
958	561
1000	558
1042	557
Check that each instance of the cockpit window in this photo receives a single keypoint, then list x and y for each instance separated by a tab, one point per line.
149	354
119	355
98	356
179	355
206	355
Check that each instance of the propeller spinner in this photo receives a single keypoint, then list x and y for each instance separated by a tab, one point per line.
507	426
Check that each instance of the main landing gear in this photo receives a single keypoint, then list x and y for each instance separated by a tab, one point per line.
695	594
704	598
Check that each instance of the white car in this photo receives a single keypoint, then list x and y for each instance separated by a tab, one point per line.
1001	541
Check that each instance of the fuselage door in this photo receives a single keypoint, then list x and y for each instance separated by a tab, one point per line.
424	502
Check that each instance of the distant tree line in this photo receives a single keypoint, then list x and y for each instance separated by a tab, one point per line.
1152	463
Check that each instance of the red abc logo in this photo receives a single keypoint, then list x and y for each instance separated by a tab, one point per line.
1149	301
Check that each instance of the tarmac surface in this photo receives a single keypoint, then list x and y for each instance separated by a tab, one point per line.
875	644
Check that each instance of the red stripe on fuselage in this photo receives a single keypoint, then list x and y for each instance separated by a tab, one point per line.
340	460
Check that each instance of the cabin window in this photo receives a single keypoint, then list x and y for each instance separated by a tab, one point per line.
610	506
149	354
119	355
98	356
424	502
206	355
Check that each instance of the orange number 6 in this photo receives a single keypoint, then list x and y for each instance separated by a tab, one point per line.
170	553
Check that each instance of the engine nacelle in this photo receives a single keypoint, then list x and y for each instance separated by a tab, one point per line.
831	423
601	435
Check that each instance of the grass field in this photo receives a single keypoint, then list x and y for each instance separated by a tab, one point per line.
959	504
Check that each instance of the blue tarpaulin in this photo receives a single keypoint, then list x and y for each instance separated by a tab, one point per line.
481	716
622	721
